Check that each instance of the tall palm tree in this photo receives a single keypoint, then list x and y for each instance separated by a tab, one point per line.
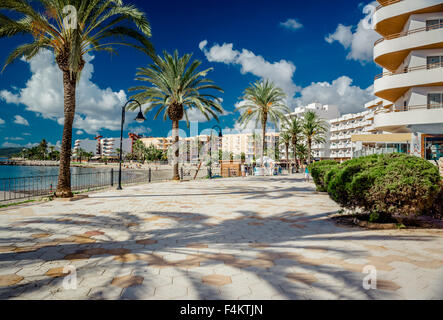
263	101
176	87
293	126
285	139
92	25
314	130
302	151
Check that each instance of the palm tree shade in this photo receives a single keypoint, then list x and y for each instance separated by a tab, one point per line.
175	88
99	25
263	101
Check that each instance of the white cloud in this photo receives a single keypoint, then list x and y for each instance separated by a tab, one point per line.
2	121
291	24
340	92
96	109
342	34
360	42
280	72
140	130
16	145
79	132
21	120
14	138
10	145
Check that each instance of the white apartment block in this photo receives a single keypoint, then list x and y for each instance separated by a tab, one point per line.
103	147
325	112
343	128
411	55
249	144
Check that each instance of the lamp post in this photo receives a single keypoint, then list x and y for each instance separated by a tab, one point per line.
140	118
220	135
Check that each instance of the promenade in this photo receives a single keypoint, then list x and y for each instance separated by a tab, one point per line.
238	238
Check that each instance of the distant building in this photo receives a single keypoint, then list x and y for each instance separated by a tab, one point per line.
105	147
325	112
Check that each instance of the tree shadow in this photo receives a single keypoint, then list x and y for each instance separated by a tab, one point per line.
280	251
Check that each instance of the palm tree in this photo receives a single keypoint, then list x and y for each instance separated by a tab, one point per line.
93	25
139	150
176	87
293	126
314	130
285	139
302	151
263	101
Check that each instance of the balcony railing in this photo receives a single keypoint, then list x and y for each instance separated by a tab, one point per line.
411	69
406	33
420	107
387	3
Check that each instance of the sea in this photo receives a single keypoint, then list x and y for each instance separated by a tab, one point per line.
16	180
7	171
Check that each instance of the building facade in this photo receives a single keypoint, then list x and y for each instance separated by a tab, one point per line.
105	147
411	55
326	112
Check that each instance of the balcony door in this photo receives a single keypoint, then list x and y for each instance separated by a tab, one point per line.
435	100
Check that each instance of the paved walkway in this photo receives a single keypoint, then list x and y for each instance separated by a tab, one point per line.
254	238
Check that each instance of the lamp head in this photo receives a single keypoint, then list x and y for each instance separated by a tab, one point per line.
140	117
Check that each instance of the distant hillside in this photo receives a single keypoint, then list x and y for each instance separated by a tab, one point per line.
7	152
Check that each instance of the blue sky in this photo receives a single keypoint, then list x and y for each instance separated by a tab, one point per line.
318	51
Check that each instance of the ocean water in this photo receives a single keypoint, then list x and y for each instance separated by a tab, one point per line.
34	171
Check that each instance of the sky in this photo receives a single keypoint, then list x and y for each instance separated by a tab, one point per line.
316	51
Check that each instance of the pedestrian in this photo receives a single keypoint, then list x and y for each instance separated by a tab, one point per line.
243	172
306	173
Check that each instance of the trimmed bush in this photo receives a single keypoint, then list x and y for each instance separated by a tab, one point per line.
318	172
397	185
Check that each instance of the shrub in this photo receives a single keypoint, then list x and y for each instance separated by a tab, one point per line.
396	185
319	170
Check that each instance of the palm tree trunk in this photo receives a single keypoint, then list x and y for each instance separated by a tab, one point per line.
175	150
265	120
309	151
64	177
287	153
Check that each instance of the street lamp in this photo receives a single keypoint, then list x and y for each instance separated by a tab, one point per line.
140	118
220	135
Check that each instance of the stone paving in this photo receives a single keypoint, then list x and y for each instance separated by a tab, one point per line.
239	238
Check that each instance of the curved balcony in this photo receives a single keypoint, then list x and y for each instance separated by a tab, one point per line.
425	117
391	86
391	51
392	17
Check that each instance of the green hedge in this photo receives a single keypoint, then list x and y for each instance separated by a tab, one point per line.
318	172
393	184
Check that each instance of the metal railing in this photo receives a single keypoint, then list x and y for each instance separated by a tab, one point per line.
418	107
409	32
25	188
387	3
411	69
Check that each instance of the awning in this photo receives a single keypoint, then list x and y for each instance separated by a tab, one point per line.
386	138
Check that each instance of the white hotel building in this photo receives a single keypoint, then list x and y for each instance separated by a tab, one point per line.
326	112
411	55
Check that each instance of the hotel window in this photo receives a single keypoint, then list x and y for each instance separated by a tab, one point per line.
434	62
434	24
435	100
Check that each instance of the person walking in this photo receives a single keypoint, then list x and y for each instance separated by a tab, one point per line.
306	173
243	171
